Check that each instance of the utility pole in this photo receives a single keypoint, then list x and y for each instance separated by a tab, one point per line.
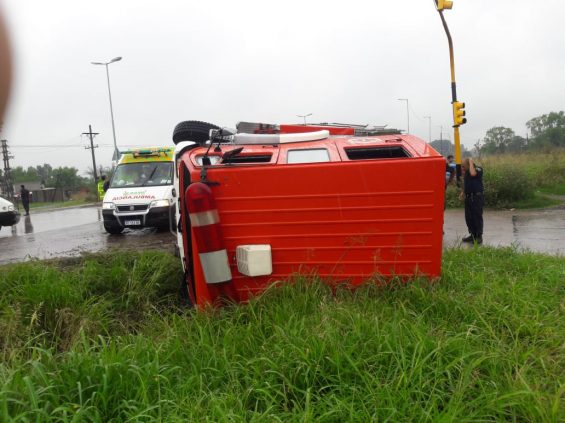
91	148
8	187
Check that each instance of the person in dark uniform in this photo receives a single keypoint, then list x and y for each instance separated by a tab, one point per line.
24	195
474	200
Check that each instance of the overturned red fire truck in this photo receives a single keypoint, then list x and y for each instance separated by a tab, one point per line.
348	203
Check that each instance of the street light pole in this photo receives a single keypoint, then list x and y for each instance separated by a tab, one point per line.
429	128
457	106
304	116
115	59
407	114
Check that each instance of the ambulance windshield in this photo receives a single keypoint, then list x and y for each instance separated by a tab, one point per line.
145	174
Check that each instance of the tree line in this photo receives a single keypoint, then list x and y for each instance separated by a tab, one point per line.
60	177
546	132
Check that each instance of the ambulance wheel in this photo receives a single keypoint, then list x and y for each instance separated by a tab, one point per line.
113	229
192	130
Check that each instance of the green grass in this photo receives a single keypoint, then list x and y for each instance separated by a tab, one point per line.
100	339
557	189
57	204
537	201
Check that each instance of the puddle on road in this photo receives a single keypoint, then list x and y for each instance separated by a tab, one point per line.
540	231
60	219
69	233
543	232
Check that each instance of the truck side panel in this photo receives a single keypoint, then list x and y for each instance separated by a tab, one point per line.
348	223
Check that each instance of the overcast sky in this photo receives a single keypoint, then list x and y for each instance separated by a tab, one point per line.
229	61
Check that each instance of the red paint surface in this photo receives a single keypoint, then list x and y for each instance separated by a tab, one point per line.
344	220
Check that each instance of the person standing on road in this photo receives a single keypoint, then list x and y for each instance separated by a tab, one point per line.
24	195
449	172
450	169
474	200
100	187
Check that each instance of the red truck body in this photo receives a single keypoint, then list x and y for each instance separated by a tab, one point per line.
373	208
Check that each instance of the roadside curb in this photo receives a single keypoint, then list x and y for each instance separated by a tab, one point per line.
49	209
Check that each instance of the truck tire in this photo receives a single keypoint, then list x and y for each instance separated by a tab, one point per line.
192	130
113	229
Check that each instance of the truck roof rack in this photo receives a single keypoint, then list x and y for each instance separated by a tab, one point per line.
359	130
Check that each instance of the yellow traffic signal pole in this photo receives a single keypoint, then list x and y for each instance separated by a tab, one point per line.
457	120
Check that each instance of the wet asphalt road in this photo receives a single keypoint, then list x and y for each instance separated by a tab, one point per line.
541	231
69	232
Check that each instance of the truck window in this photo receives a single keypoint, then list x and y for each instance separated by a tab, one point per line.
313	155
369	153
213	159
249	158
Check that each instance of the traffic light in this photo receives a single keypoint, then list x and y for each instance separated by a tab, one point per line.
444	4
459	113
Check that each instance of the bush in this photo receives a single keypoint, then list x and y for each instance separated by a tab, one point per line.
505	185
543	169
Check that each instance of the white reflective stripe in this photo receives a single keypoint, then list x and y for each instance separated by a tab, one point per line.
243	138
209	217
305	136
215	266
256	138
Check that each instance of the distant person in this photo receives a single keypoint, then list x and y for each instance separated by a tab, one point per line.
100	187
452	168
449	176
472	192
24	195
449	170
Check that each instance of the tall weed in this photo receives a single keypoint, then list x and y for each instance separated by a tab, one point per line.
483	343
512	178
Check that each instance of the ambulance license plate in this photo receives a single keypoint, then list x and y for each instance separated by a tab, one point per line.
132	222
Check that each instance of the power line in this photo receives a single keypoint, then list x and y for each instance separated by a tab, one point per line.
46	146
55	146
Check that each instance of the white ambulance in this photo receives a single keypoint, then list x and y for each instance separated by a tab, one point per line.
140	193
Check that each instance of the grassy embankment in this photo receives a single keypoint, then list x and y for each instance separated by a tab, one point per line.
101	339
57	204
520	180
